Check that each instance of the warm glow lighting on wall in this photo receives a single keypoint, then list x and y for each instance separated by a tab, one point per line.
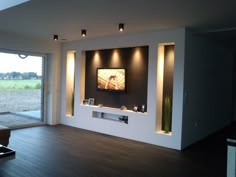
96	59
172	55
169	59
115	60
160	77
70	77
162	60
161	69
70	68
137	55
137	59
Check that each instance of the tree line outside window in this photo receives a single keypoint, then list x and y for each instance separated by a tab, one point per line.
19	76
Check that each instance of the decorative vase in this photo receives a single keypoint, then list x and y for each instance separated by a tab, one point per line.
72	103
167	114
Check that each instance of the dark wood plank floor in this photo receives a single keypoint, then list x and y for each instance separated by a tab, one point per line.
61	151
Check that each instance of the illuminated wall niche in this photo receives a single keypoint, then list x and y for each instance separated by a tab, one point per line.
70	83
165	74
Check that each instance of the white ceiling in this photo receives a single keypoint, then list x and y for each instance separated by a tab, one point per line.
43	18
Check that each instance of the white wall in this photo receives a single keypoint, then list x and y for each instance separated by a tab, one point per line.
141	127
203	70
207	87
14	43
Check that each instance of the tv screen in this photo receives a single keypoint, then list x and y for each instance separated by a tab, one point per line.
111	79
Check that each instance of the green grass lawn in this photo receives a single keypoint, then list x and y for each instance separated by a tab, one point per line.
20	85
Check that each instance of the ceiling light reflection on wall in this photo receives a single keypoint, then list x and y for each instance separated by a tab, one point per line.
137	59
115	59
96	59
137	55
121	27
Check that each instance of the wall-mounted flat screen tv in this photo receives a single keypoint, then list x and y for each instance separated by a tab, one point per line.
111	79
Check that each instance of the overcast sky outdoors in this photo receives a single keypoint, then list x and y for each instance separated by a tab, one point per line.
12	62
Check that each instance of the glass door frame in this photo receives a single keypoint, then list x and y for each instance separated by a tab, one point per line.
44	79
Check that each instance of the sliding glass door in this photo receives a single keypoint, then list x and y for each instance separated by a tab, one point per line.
21	89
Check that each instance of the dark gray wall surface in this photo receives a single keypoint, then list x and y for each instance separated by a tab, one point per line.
134	60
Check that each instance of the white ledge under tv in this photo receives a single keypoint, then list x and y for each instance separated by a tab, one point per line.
114	110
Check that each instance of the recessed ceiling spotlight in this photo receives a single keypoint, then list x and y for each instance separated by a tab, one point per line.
83	32
121	27
55	37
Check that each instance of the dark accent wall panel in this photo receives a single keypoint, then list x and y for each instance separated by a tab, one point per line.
134	60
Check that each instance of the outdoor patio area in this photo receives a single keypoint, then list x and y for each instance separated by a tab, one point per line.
20	108
15	120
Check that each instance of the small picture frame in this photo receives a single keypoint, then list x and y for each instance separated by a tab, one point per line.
91	101
143	108
85	102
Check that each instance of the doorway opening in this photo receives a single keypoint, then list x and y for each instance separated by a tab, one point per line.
21	90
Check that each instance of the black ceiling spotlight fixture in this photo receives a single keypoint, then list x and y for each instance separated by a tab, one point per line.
83	32
55	37
121	27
